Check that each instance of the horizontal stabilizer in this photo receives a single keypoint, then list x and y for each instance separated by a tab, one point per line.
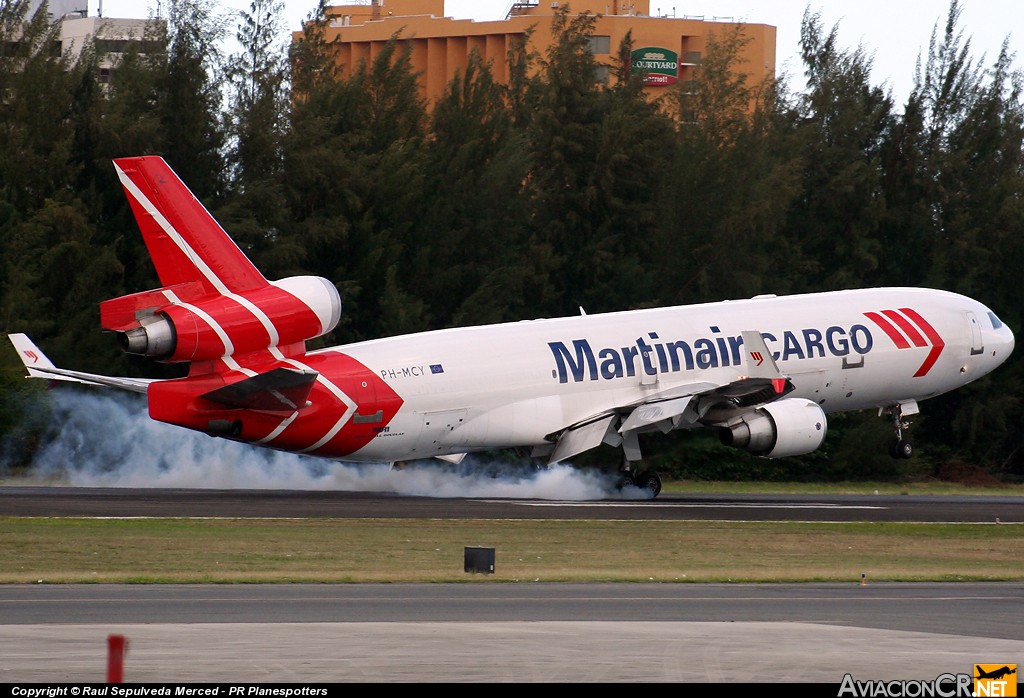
40	366
282	389
581	438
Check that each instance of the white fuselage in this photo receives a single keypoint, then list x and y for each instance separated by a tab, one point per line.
516	384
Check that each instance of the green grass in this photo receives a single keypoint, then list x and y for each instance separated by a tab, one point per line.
180	550
64	550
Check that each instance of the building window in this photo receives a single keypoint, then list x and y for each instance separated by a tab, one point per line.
104	46
602	73
600	44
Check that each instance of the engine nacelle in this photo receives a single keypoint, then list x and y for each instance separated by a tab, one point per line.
284	312
789	427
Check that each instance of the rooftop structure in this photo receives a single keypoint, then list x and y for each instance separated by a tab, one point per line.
668	48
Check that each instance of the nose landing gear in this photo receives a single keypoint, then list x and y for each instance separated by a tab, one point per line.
902	447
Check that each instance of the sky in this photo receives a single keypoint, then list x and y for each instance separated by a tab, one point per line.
893	32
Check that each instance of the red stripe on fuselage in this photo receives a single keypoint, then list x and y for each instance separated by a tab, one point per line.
898	339
936	339
906	323
907	328
376	405
178	402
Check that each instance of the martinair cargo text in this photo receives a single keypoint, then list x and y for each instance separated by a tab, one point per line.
764	372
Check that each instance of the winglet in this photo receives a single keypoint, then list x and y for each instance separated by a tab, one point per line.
760	363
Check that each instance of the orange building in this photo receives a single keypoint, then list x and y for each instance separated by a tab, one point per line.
668	48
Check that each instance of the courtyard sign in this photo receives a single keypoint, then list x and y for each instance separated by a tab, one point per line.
660	65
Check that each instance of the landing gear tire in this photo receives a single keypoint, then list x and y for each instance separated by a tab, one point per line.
649	481
903	449
625	480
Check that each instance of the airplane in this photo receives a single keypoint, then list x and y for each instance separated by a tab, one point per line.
764	372
996	673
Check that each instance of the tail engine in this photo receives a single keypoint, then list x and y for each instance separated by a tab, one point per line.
184	323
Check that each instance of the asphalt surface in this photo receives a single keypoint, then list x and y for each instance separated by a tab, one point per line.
480	632
109	501
980	609
523	633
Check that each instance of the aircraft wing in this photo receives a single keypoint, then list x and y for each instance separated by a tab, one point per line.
583	437
40	366
681	406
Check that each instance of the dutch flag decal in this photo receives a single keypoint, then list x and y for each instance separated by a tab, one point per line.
906	328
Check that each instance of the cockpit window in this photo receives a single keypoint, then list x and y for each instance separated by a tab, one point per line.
996	322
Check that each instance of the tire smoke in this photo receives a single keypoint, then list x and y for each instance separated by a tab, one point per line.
100	439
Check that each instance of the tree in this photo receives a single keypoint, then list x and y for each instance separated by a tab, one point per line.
312	57
353	172
256	211
190	101
632	156
730	185
37	82
475	214
843	123
973	174
575	161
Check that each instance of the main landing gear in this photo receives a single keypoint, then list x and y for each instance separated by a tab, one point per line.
628	477
644	479
901	447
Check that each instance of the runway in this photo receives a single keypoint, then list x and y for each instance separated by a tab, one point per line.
523	633
510	633
126	502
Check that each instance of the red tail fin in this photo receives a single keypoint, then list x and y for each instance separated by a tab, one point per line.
186	244
214	304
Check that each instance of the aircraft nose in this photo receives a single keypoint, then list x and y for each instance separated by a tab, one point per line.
1002	345
998	342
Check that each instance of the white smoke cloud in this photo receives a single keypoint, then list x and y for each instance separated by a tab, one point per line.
108	440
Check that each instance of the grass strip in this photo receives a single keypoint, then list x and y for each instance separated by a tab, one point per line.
178	550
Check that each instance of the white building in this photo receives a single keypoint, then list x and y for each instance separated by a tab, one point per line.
61	8
114	37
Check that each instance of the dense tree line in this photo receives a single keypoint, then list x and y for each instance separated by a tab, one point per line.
534	198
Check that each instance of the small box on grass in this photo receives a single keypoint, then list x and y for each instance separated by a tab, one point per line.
480	560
